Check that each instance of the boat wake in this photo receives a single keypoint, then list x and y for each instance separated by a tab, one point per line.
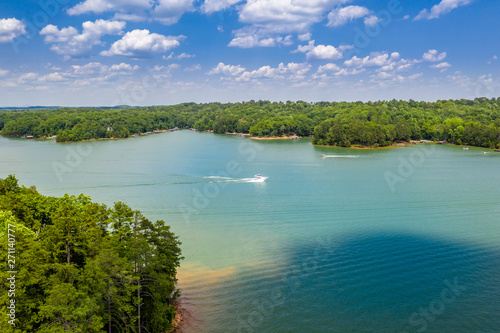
220	179
339	156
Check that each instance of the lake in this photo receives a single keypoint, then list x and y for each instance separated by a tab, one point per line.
337	240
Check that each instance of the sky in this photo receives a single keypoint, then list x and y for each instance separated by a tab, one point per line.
163	52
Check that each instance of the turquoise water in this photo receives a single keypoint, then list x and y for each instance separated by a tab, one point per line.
387	240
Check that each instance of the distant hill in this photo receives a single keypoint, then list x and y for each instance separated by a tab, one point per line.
35	107
39	107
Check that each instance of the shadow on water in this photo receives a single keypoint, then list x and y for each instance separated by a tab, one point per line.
376	283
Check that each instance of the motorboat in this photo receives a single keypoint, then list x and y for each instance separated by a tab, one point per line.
259	179
466	148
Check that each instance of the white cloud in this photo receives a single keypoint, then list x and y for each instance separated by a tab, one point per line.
305	37
247	38
341	16
325	52
263	72
212	6
292	71
54	35
328	68
142	43
185	56
95	6
164	11
168	68
69	42
441	65
371	21
267	19
285	15
433	56
388	65
405	65
382	77
79	75
227	69
295	72
193	68
170	11
444	7
88	69
415	76
374	59
130	17
305	48
295	68
245	41
462	80
53	77
322	52
3	72
123	67
178	57
99	71
487	78
28	77
52	67
11	28
101	6
347	72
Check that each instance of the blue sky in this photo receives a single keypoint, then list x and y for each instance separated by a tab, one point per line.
159	52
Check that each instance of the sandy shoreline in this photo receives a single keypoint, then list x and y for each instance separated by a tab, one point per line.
182	317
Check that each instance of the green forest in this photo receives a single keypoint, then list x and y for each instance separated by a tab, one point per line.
465	122
82	266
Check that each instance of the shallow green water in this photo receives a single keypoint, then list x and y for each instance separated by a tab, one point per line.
387	240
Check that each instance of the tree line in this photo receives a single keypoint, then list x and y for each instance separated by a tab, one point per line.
85	267
471	122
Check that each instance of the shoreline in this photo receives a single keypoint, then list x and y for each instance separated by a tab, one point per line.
180	319
271	138
408	144
183	317
266	138
87	140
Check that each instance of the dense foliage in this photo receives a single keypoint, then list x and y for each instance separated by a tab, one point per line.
85	267
472	122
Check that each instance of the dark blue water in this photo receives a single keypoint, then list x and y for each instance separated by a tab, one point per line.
378	283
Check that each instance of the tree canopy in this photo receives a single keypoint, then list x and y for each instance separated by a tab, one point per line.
472	122
85	267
